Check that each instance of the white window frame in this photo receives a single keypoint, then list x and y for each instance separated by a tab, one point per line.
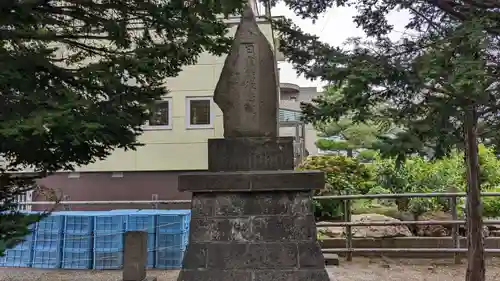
25	197
149	127
188	113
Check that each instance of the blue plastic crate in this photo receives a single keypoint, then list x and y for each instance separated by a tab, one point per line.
142	222
48	241
46	258
169	259
150	263
51	224
79	223
165	241
151	241
172	223
108	259
108	241
25	243
77	242
108	223
76	259
17	258
124	211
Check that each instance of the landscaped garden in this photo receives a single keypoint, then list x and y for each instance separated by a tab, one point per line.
374	175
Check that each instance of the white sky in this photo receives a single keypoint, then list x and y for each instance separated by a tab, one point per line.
334	27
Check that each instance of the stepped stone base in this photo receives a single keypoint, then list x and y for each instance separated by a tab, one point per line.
253	275
249	181
253	234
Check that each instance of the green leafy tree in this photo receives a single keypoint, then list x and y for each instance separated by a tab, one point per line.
439	82
78	80
352	135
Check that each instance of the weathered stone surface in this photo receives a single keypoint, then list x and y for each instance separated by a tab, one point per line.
245	181
259	275
252	255
195	256
135	256
274	228
330	231
262	203
310	255
226	204
222	229
202	205
247	91
434	230
331	259
253	229
245	154
378	231
215	275
292	275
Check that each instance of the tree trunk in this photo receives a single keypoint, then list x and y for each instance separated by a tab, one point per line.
475	240
349	153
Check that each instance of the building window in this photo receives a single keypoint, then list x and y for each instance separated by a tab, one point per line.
199	113
161	117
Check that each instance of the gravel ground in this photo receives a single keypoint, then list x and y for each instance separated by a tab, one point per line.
358	270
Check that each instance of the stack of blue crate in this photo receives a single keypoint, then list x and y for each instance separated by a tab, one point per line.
144	220
22	254
77	243
172	230
48	241
108	240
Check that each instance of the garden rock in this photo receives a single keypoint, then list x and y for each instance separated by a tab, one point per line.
378	231
493	227
486	231
434	230
405	216
330	231
495	233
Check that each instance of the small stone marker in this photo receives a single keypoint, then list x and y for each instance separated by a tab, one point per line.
252	216
135	255
331	259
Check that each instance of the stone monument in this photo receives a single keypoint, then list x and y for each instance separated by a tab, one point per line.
252	217
135	256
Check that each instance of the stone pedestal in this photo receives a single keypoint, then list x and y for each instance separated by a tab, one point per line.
250	154
250	220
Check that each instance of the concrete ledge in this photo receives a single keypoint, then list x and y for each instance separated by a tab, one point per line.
331	259
407	242
247	154
251	181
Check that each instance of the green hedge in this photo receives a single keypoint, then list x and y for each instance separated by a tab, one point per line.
345	175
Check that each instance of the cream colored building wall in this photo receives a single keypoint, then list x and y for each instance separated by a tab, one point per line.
178	148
